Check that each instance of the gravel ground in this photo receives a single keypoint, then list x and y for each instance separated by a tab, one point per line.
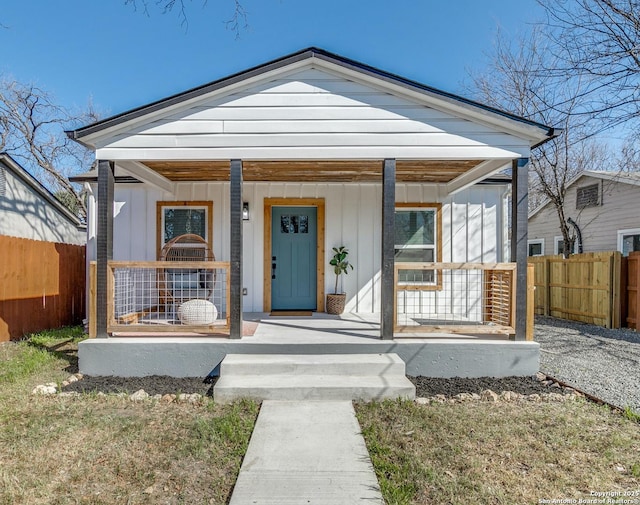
599	361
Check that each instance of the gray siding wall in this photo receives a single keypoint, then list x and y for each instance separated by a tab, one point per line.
26	214
619	209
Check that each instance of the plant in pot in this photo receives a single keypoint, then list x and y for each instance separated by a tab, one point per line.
341	265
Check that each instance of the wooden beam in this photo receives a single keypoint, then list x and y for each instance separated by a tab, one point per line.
422	171
104	243
519	235
388	239
235	202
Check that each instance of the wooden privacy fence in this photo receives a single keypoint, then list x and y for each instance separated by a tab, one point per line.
585	287
632	289
42	285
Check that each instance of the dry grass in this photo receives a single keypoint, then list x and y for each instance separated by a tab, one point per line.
507	453
106	450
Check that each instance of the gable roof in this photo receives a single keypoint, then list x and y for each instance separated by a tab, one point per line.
632	178
536	132
6	161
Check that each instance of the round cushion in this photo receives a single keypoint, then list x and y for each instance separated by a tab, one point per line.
197	312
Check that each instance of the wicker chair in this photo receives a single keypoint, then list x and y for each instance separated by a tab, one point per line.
180	285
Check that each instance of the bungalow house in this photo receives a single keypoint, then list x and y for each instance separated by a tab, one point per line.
266	171
41	256
603	210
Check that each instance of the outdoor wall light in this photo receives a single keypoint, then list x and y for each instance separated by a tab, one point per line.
245	211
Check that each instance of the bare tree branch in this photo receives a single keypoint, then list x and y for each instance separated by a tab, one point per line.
598	42
517	80
32	130
237	22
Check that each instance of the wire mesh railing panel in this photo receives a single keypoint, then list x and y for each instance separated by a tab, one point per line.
445	295
167	296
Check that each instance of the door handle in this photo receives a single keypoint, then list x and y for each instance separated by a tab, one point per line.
273	269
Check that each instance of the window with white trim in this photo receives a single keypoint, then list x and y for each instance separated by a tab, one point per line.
416	241
536	247
628	241
558	245
179	218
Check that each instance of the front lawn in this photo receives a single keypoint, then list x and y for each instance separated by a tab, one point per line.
107	449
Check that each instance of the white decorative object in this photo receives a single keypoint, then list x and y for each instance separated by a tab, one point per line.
197	312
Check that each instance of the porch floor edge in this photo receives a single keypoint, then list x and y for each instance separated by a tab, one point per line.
201	356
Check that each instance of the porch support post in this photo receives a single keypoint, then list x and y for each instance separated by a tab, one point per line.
519	235
235	201
104	243
388	239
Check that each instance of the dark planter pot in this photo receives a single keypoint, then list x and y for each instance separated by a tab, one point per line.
335	303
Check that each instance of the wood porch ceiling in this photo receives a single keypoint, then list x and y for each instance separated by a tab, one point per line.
425	171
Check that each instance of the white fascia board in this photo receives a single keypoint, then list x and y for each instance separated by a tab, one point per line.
306	153
611	176
459	109
146	175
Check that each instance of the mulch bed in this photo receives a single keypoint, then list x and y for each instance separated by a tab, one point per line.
153	385
430	386
425	386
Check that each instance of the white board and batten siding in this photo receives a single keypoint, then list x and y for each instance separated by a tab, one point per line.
473	224
26	213
308	114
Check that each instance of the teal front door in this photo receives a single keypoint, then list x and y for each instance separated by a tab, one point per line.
293	258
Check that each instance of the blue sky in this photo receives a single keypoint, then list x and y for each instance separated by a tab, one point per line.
104	51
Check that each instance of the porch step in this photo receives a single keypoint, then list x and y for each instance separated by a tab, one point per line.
312	377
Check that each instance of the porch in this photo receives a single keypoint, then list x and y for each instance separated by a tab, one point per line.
192	298
186	354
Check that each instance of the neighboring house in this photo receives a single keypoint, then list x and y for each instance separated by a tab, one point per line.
29	210
42	256
274	166
605	207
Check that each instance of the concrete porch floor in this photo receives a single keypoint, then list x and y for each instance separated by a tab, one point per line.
190	355
326	328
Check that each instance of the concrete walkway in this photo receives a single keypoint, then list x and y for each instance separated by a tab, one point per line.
306	453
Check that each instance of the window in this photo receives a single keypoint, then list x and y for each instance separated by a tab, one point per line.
588	196
294	224
536	247
628	241
558	246
177	218
417	239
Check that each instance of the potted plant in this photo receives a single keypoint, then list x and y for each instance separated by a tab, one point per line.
341	265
